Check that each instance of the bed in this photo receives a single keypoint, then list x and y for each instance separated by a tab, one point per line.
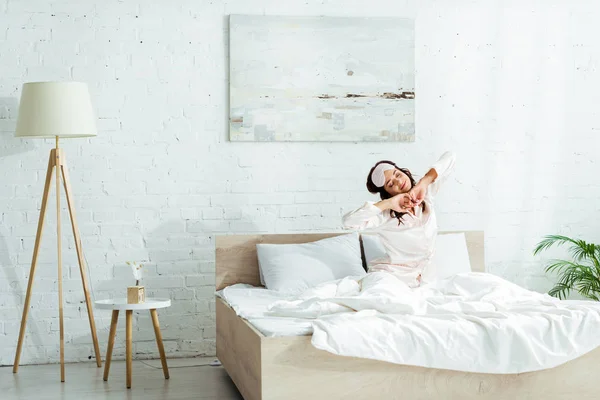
291	368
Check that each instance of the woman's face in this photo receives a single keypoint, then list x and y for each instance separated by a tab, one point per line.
396	182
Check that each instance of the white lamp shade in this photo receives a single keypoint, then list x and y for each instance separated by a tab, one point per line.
49	109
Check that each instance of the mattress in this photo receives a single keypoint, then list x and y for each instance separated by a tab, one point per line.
251	303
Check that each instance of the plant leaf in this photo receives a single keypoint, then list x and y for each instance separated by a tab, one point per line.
559	290
581	274
551	240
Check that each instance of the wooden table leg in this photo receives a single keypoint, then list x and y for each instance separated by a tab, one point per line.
128	315
111	342
161	349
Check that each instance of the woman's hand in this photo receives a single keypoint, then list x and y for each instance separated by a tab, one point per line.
417	193
401	203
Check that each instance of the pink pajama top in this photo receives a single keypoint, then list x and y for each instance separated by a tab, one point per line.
409	245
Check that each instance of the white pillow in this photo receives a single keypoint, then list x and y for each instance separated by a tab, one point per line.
373	248
450	257
297	267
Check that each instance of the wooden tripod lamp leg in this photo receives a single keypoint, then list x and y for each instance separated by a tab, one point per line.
58	248
36	248
57	160
86	290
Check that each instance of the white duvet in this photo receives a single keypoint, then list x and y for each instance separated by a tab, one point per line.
473	322
252	303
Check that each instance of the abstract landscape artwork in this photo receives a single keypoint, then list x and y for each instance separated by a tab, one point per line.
321	79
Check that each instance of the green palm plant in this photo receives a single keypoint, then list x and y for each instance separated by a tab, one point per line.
581	274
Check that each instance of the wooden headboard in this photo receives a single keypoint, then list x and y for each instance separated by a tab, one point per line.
237	262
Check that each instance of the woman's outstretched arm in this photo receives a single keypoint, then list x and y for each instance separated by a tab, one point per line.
433	178
443	167
371	215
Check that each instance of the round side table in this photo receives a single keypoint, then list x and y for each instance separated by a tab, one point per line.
117	305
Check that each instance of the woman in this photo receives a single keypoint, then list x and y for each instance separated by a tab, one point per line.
404	219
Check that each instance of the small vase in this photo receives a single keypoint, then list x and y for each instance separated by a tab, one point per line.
136	294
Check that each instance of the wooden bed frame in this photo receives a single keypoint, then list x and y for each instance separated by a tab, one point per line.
290	368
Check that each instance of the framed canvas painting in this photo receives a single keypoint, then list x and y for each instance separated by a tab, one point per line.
321	79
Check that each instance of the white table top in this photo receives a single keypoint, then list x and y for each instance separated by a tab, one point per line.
121	304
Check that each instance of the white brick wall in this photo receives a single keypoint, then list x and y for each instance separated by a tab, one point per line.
510	86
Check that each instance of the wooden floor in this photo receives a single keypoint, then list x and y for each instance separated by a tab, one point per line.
189	380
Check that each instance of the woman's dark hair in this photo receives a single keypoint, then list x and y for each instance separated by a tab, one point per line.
384	194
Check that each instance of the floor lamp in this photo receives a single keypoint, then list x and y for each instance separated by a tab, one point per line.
56	110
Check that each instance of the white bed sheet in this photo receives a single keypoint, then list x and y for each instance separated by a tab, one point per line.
251	303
